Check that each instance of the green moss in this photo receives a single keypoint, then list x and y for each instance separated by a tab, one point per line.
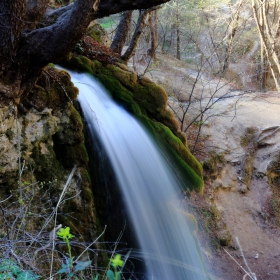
248	137
147	101
81	63
127	78
53	90
70	155
46	166
96	32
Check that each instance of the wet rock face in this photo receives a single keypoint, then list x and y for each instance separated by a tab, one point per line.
47	141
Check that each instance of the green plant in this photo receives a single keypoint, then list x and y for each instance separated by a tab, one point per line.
70	268
10	270
79	47
115	263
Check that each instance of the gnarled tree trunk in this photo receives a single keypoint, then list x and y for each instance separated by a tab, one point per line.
25	48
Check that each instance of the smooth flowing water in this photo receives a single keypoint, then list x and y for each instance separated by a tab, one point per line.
147	185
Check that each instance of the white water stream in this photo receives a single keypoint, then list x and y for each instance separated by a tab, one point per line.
147	185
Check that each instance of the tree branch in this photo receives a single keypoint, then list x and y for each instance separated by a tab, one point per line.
35	9
108	7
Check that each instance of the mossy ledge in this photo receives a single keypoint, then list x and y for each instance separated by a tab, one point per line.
148	102
60	148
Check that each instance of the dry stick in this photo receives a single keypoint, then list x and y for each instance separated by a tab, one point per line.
245	261
55	213
91	244
246	273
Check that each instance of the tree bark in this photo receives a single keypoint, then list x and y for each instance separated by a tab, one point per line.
25	49
177	27
35	9
267	39
10	29
122	32
153	24
136	36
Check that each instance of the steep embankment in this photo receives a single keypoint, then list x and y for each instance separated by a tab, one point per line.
239	149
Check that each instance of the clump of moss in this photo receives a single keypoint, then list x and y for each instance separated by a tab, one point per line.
53	90
213	165
148	102
248	141
98	33
247	138
82	63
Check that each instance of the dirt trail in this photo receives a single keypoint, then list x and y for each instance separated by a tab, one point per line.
244	68
244	208
242	203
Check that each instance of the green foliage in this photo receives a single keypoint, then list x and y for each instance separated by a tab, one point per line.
107	22
212	165
64	234
78	47
70	268
115	263
10	270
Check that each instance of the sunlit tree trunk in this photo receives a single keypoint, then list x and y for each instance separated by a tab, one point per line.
136	36
122	32
153	24
268	32
177	27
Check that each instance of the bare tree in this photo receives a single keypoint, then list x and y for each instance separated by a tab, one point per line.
267	17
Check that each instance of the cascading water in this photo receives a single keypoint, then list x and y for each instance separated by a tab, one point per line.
147	184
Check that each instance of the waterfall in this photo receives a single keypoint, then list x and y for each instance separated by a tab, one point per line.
147	185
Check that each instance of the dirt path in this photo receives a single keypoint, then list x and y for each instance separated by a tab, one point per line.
244	207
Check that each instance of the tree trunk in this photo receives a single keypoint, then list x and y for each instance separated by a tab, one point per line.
267	38
25	49
136	36
178	39
10	29
122	32
230	36
153	24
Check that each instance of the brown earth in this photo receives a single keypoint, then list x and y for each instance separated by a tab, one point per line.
242	128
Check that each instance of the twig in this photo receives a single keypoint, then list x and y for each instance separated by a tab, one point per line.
246	273
57	80
245	261
91	244
55	213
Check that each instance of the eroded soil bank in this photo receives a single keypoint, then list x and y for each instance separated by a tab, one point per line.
239	145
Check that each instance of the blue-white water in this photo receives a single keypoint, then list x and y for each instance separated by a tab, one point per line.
147	185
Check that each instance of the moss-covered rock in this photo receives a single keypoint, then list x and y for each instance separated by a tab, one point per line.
96	32
148	102
53	90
